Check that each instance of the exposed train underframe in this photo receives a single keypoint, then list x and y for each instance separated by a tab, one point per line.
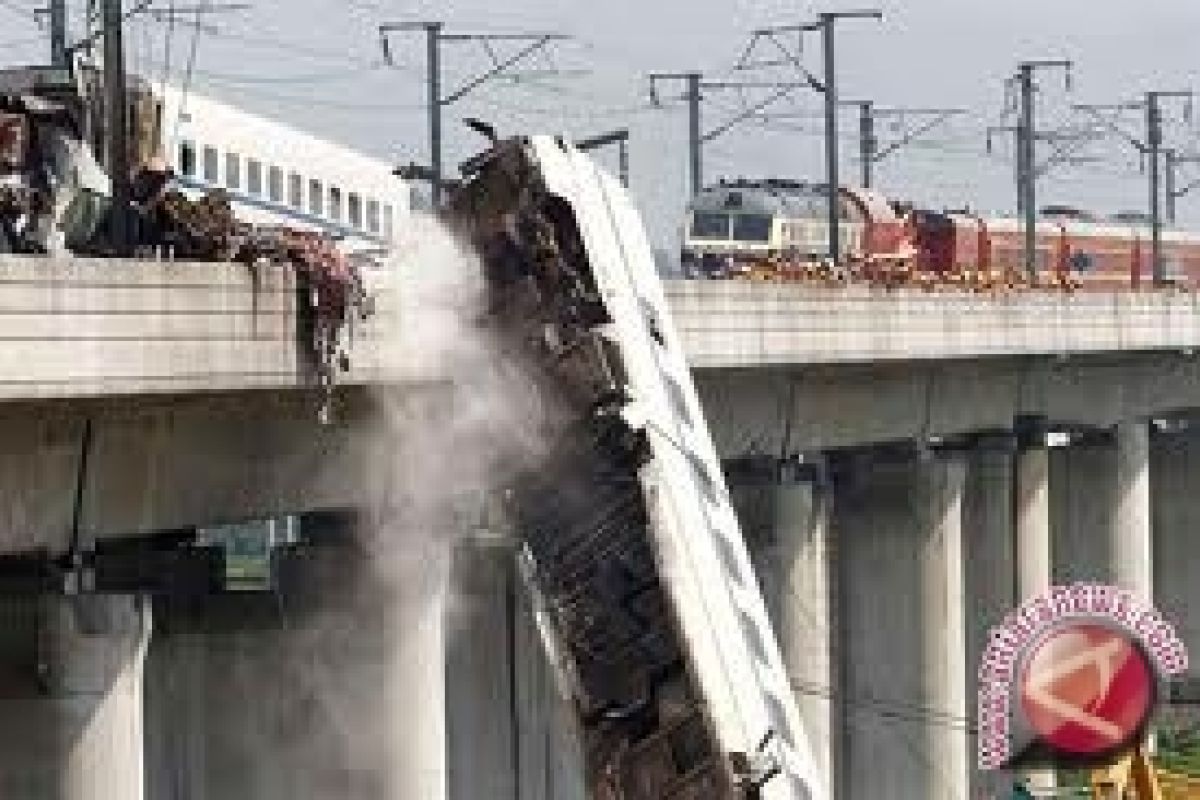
627	518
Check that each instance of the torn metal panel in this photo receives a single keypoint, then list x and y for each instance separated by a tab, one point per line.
677	678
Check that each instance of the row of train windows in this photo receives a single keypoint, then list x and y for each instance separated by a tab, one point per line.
269	181
735	227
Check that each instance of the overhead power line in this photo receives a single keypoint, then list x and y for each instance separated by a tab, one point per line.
695	86
1151	147
826	25
435	37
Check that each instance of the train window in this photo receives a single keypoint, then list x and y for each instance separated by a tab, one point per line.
254	176
354	207
275	184
295	191
373	216
710	225
212	165
335	203
316	198
187	159
387	221
752	227
233	170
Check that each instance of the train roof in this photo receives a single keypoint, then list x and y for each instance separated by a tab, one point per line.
795	200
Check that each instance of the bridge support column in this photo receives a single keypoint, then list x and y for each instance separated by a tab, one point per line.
510	734
1034	571
941	487
1131	530
803	556
481	676
330	686
989	569
785	511
96	660
71	718
901	614
1032	512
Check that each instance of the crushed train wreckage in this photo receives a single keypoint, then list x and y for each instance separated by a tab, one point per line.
55	198
675	675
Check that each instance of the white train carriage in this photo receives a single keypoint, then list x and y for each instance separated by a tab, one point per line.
276	175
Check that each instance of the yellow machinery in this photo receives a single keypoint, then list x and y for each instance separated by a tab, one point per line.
1134	777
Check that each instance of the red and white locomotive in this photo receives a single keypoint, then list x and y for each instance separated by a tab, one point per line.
779	227
777	230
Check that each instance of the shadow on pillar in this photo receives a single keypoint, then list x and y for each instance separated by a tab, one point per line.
72	729
898	524
784	514
331	688
510	731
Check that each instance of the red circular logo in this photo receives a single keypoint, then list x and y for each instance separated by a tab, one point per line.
1087	689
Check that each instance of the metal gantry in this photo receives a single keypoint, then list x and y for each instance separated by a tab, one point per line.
826	26
117	124
58	33
435	37
620	138
1151	148
1154	147
1171	191
694	88
1027	138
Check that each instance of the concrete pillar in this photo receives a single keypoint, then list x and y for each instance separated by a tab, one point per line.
899	529
941	488
1132	538
481	677
989	566
510	734
1032	537
785	517
74	732
1032	515
332	688
802	555
1176	470
97	651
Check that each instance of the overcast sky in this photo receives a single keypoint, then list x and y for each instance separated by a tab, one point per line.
317	64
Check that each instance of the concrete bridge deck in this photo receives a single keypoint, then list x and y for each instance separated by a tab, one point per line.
91	327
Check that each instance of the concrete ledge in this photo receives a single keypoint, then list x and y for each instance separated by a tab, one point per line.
93	327
742	324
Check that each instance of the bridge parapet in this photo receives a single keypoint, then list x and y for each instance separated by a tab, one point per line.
745	324
95	327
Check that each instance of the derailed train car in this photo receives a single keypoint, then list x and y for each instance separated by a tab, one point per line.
676	677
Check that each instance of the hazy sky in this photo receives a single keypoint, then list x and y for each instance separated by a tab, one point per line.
317	64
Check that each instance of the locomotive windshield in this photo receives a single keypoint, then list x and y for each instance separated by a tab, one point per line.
710	225
752	228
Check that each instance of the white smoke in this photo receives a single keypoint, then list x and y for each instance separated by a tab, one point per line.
347	702
464	419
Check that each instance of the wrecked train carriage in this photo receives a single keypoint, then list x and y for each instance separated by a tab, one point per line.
676	679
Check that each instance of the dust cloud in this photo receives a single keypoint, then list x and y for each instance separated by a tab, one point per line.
345	702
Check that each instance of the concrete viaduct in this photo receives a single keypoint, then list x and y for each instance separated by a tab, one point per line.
907	465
